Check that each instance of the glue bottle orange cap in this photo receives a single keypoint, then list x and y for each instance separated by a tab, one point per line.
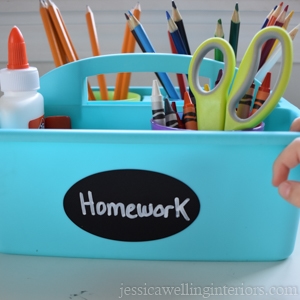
17	57
18	76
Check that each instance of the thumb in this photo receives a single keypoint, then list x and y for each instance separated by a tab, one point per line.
290	191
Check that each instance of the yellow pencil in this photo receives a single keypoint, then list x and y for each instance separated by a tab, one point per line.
96	50
130	49
64	37
54	43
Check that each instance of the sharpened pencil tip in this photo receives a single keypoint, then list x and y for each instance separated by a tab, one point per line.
168	15
173	4
130	13
220	21
237	7
126	16
286	8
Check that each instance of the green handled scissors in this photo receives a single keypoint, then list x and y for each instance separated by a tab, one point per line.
216	109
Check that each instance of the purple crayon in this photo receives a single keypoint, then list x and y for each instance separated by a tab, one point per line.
170	115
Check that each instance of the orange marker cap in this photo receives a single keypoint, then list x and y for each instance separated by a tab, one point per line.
17	57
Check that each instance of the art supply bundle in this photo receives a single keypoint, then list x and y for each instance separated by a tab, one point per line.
113	188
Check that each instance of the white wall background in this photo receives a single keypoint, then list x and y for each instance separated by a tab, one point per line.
199	16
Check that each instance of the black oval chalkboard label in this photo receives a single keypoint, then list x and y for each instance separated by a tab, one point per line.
131	205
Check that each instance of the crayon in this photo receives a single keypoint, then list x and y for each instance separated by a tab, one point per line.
243	109
158	112
206	87
220	74
180	123
171	119
262	93
189	113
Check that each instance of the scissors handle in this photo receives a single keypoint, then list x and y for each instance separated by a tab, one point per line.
211	104
246	73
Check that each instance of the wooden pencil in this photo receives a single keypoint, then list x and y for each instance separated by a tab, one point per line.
130	49
146	46
269	44
64	37
51	35
234	29
176	16
96	50
275	15
219	33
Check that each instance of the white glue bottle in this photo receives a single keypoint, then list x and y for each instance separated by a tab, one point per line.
21	106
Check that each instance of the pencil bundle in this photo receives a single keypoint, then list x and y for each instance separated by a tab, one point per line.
63	50
61	45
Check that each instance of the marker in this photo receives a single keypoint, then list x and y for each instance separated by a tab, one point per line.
243	109
158	112
189	113
180	123
262	93
171	119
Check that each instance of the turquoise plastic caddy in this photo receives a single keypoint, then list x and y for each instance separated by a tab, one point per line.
112	188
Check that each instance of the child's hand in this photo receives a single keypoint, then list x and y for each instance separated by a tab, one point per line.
288	159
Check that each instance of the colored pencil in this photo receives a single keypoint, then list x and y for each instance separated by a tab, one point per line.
284	26
176	16
130	49
96	50
266	21
275	56
219	33
145	44
175	34
234	29
266	48
275	15
181	78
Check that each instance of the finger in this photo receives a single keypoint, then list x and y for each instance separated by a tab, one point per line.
288	159
295	125
290	191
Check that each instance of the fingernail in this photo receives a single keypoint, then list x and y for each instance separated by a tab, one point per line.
284	189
